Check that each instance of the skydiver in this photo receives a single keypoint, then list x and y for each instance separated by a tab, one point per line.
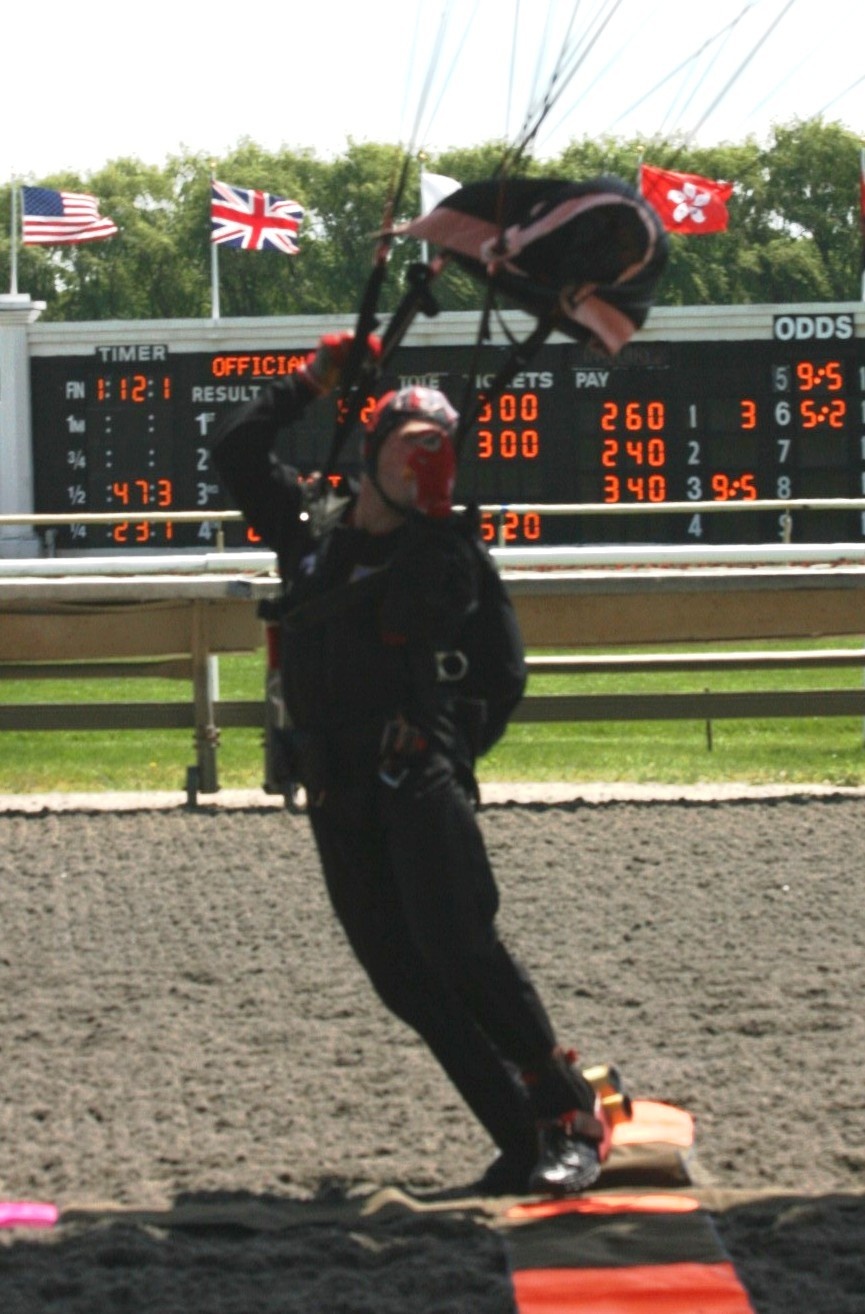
376	605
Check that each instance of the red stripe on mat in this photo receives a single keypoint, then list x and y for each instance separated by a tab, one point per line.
646	1203
650	1289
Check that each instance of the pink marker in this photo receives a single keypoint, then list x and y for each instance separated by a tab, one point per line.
27	1213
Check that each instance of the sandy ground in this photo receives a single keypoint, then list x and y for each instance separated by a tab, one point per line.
183	1025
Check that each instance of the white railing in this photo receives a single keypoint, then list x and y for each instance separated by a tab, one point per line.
191	560
218	571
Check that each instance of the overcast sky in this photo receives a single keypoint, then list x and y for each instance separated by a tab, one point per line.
81	85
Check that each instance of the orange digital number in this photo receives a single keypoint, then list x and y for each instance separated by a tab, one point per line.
512	444
651	452
134	389
531	526
635	415
515	406
509	446
837	414
364	414
510	527
610	453
808	412
609	416
612	488
833	375
651	489
656	416
812	414
726	487
514	527
748	413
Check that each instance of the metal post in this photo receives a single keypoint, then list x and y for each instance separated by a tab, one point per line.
205	693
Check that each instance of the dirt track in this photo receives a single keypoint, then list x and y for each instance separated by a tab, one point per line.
182	1019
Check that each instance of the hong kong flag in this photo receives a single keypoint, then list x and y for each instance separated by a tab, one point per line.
685	202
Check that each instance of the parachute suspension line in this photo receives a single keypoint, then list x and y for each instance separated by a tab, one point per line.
536	95
696	77
428	79
360	370
740	70
841	94
567	65
358	367
448	73
791	74
513	154
409	82
481	337
721	36
512	75
602	72
690	59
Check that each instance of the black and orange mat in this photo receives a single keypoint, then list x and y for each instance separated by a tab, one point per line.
642	1242
639	1242
620	1254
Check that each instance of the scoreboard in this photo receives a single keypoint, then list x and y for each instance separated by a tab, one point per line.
732	404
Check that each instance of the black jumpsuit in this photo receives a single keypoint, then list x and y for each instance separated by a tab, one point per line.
406	867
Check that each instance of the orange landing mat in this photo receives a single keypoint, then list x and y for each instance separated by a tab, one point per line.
637	1251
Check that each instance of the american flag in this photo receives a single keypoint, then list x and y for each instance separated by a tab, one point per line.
253	220
49	217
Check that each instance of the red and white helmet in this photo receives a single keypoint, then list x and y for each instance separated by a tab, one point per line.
433	459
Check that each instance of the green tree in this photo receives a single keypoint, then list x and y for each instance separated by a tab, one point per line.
793	233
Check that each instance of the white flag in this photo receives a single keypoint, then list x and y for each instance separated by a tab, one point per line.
434	187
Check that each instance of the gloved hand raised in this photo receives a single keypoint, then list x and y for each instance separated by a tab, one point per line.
323	368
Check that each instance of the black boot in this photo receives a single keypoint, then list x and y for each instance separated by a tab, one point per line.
570	1160
570	1131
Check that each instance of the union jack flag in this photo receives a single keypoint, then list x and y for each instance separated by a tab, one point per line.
253	220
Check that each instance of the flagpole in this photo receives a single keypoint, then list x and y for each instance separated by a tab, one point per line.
13	243
214	280
214	259
424	246
862	220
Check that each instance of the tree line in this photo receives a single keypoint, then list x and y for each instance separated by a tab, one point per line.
794	231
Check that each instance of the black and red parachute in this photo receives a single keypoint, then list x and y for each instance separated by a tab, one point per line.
583	257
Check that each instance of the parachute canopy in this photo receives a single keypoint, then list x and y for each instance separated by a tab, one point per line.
583	257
